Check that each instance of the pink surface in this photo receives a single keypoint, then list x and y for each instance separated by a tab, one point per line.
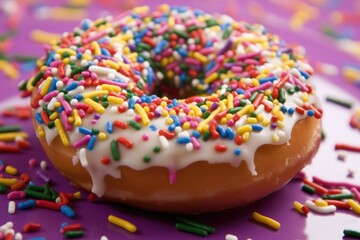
93	216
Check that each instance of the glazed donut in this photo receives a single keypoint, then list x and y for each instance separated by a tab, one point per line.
175	110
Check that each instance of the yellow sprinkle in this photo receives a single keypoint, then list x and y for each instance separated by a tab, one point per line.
265	123
8	181
11	136
77	118
95	93
305	96
67	14
141	9
255	82
171	21
62	133
207	120
266	220
275	138
230	101
223	120
212	77
61	51
71	119
110	88
354	205
246	109
298	207
251	120
260	117
146	109
115	100
170	74
280	124
122	223
9	69
102	136
186	125
246	136
96	106
200	57
40	131
229	116
222	105
29	86
96	48
242	129
144	117
86	57
169	121
11	170
164	7
40	36
112	64
54	116
196	110
66	61
320	202
164	113
44	90
172	112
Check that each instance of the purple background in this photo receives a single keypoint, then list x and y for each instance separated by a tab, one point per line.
93	216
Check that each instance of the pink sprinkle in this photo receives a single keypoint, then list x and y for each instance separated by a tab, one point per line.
81	113
195	143
248	55
82	141
329	184
32	162
263	86
119	84
66	106
356	193
207	51
16	195
145	137
55	63
138	118
65	121
50	95
230	123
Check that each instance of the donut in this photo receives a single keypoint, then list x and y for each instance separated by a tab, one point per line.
175	110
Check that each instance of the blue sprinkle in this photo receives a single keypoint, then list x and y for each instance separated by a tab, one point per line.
237	151
240	91
310	113
60	109
140	59
71	86
153	127
210	66
78	55
64	224
196	134
85	24
183	140
230	133
78	97
291	110
53	85
85	131
150	77
171	127
109	127
131	103
221	131
38	118
268	79
256	127
304	74
283	109
175	102
26	204
182	52
50	58
91	143
105	52
67	211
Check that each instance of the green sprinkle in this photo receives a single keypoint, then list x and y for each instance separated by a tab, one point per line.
351	233
147	158
95	131
253	96
76	71
323	136
74	234
105	104
144	46
22	85
7	129
54	194
181	34
339	102
37	195
207	228
191	229
2	188
282	97
234	110
135	125
205	115
291	91
115	150
66	54
308	189
36	188
206	136
51	124
156	149
37	78
338	196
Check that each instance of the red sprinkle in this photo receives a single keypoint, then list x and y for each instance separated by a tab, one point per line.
346	147
168	135
71	227
48	205
126	142
319	189
338	203
105	160
220	147
120	124
31	227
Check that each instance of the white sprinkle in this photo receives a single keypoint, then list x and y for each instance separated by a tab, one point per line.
11	207
104	238
43	165
6	226
231	237
18	236
189	147
164	142
326	209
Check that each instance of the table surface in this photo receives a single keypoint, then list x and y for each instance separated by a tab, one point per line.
275	16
